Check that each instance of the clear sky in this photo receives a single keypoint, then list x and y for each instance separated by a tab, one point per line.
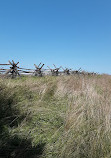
71	33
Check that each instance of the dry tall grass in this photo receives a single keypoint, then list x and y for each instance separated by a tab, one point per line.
88	119
74	113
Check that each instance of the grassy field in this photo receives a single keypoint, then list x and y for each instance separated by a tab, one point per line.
55	117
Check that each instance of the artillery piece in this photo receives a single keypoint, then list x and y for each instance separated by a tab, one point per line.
55	72
38	71
13	69
66	71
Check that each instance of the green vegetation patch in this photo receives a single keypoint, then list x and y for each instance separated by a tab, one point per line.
51	117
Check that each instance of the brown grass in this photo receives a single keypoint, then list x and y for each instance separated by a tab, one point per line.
83	103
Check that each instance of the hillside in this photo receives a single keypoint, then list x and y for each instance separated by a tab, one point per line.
55	117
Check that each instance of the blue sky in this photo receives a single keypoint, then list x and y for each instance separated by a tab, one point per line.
71	33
